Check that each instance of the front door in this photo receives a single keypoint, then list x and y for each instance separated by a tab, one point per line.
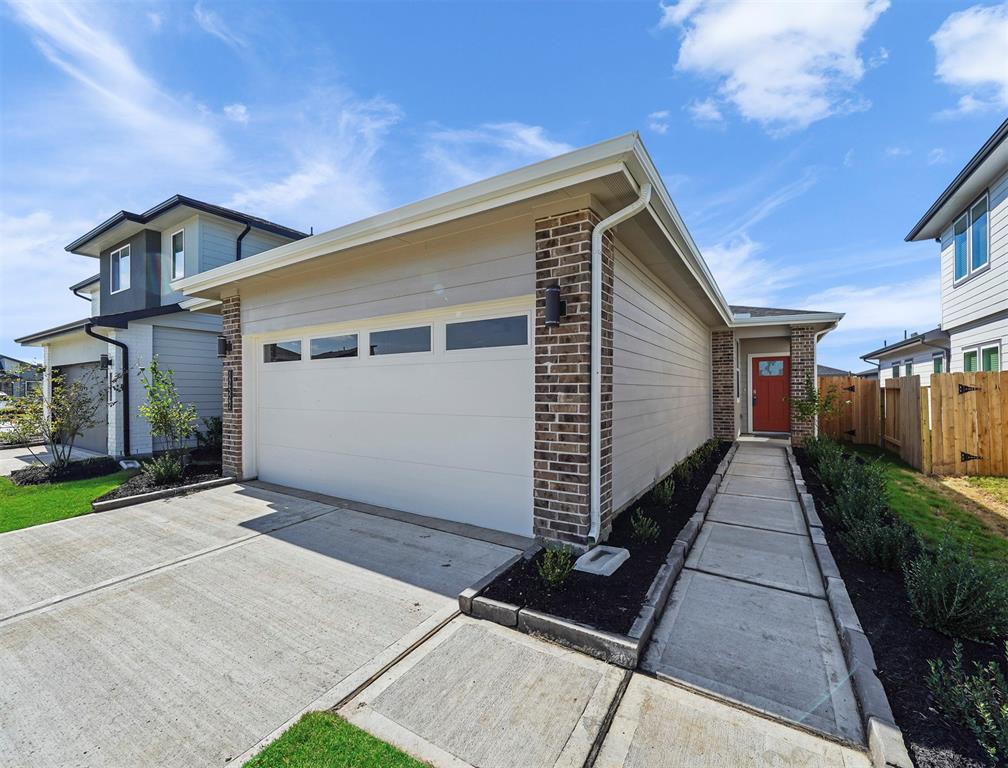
771	411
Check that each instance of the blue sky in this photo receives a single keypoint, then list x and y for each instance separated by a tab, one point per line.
800	141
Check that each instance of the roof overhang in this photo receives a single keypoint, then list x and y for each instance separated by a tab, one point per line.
86	282
36	339
120	321
809	318
935	340
988	164
624	156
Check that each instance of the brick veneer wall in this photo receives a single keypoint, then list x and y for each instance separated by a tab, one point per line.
723	383
802	366
561	469
232	406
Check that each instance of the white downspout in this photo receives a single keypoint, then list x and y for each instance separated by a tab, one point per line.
595	468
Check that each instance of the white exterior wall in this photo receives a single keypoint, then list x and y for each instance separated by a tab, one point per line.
661	380
73	348
982	335
139	337
923	366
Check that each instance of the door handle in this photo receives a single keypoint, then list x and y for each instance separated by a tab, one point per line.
754	396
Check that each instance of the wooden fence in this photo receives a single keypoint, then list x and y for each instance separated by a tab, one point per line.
957	426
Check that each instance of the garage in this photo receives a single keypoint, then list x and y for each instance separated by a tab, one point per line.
94	438
427	412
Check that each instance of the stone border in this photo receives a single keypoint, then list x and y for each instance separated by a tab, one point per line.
885	740
140	498
622	650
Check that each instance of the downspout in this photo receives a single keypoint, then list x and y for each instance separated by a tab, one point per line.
238	243
595	469
88	329
947	354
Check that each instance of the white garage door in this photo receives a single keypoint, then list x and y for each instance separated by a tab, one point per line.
428	413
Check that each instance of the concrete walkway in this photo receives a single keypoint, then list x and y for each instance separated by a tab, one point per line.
748	620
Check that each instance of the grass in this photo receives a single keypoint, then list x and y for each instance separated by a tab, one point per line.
325	740
995	486
22	506
934	510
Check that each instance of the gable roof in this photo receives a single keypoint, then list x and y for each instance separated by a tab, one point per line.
174	202
936	338
989	162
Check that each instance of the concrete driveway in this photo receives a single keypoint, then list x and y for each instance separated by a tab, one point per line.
185	631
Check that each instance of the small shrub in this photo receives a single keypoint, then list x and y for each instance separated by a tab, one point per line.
958	594
665	491
556	565
37	474
977	701
645	529
877	538
860	492
163	470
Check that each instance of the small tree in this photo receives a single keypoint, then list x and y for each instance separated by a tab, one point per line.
813	404
59	417
171	419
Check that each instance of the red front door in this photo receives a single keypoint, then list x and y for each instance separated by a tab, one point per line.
771	411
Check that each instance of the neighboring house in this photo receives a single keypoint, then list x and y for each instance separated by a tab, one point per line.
17	377
135	314
970	221
461	358
871	373
828	370
919	354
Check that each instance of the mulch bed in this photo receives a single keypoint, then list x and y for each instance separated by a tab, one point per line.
140	483
84	469
610	603
902	649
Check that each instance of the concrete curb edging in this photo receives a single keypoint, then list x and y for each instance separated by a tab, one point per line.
886	746
622	650
129	501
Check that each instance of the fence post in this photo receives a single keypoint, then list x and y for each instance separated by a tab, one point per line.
925	431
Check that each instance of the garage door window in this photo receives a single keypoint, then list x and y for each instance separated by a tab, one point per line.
495	332
401	340
334	346
282	352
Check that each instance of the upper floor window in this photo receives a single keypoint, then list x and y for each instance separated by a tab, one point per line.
970	238
178	254
120	269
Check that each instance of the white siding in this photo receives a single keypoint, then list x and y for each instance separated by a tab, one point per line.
139	338
491	262
192	356
661	380
996	330
923	366
987	292
73	348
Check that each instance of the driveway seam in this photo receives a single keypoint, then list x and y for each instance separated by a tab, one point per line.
607	721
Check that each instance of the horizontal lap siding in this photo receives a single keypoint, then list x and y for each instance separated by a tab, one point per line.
996	330
192	357
661	380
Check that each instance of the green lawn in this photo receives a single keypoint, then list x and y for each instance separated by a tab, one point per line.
325	740
934	510
995	486
25	505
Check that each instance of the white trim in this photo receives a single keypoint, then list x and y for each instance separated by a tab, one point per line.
171	254
750	357
803	319
113	268
979	349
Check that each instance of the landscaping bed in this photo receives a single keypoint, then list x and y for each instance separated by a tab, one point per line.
141	483
612	603
903	646
84	469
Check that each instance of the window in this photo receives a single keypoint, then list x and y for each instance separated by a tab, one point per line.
990	358
120	269
282	352
178	254
895	370
971	238
938	361
334	346
970	361
401	341
771	368
497	332
908	368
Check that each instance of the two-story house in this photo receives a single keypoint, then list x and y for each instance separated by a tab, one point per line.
969	220
136	315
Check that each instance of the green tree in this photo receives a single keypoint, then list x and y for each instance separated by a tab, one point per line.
171	419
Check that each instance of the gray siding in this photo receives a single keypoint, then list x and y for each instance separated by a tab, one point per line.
217	242
145	275
192	355
661	380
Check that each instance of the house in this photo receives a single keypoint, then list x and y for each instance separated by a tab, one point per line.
17	377
135	313
870	373
529	353
918	354
829	370
969	220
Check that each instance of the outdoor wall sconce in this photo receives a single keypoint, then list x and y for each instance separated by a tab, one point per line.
555	306
104	362
223	346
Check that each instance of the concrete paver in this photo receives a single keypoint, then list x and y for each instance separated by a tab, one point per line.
770	514
477	694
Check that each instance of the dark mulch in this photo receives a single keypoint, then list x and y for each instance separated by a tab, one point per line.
84	469
140	483
902	648
610	603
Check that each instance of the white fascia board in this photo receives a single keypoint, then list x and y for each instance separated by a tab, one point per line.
197	304
830	318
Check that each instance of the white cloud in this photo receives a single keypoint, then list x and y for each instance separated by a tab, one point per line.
897	151
782	64
155	19
658	121
935	156
705	111
212	23
970	48
744	276
914	305
462	156
237	112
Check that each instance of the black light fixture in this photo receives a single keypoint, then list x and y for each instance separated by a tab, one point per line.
555	306
103	361
223	346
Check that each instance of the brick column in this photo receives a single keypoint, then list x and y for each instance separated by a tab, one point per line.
232	387
723	383
803	366
561	479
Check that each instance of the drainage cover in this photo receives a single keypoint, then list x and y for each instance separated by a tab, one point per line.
602	561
